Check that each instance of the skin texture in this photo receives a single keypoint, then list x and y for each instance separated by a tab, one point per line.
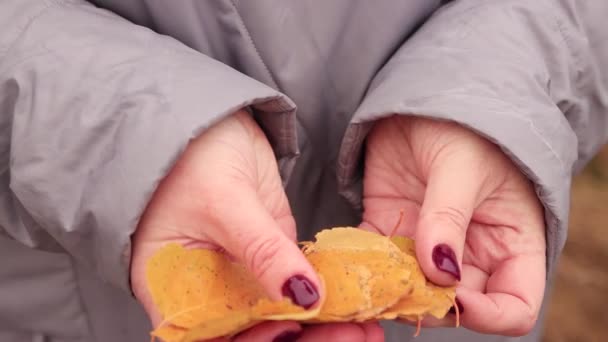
225	193
458	189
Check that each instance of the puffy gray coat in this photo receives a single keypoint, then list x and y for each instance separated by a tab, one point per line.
96	103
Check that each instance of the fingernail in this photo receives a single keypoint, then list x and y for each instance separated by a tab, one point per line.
287	336
445	260
301	291
460	308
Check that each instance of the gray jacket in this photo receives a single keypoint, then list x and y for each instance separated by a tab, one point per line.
96	103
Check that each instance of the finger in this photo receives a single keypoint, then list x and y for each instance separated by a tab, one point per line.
512	300
271	331
253	237
472	279
336	332
451	196
373	332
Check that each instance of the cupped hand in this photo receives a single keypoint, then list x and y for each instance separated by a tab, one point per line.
475	217
225	193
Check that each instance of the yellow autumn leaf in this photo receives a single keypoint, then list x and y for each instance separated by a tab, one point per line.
203	294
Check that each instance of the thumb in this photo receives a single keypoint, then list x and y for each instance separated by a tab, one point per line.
450	198
247	231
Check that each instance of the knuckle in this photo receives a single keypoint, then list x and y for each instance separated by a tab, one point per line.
453	217
260	254
525	324
522	330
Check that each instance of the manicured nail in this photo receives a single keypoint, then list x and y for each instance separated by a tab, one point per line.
445	260
301	291
460	308
287	336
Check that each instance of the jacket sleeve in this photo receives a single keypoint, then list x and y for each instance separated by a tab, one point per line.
532	76
94	111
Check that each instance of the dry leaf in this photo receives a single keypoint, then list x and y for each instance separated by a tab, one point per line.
365	273
208	295
426	297
201	285
202	294
170	333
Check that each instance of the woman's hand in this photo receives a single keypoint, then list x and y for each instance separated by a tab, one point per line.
475	217
225	193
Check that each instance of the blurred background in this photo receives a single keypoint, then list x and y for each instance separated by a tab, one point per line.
578	309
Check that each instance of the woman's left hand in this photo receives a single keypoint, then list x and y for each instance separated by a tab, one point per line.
475	217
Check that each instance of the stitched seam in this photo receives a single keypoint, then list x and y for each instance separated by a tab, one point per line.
562	32
346	169
245	31
515	114
561	29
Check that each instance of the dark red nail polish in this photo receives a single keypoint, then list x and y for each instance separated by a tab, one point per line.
460	308
287	336
445	260
301	291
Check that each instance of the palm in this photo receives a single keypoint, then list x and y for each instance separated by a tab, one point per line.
400	157
393	183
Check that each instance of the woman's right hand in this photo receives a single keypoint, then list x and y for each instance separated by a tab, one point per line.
225	193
